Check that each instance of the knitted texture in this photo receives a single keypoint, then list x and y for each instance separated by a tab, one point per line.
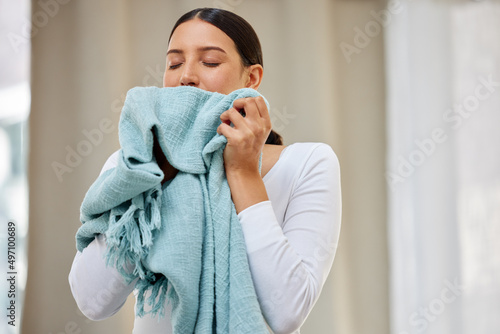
183	240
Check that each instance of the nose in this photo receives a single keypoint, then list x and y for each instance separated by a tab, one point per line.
188	76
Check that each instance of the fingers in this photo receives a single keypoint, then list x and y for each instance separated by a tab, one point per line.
226	130
241	126
254	124
253	106
255	110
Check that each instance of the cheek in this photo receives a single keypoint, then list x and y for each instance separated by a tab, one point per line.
169	80
215	83
223	82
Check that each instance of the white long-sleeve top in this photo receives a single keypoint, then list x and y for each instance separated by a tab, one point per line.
291	242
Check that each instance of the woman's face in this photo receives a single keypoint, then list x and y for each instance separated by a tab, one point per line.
201	55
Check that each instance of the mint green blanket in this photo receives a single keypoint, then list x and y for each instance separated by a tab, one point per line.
184	235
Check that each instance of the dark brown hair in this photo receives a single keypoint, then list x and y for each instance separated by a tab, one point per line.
243	35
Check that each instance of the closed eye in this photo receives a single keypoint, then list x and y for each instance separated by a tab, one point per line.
211	64
173	67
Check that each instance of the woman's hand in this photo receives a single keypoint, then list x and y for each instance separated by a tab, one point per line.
246	139
245	142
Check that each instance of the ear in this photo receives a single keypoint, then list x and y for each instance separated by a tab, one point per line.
254	73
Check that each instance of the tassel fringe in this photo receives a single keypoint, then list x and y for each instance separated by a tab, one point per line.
129	237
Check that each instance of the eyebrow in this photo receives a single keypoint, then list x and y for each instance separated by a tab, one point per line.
202	49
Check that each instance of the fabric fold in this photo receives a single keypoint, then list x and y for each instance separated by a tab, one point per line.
183	239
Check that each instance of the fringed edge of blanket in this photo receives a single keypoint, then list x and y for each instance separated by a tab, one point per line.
129	238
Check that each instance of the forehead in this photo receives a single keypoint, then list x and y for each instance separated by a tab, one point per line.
197	33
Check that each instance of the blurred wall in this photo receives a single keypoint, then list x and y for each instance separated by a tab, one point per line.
87	54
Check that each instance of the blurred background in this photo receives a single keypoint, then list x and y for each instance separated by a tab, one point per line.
406	92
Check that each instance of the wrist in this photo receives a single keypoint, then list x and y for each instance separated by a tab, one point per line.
247	188
243	173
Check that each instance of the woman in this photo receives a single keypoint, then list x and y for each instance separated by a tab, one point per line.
289	212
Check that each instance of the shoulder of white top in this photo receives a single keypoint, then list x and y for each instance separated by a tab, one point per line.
111	162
